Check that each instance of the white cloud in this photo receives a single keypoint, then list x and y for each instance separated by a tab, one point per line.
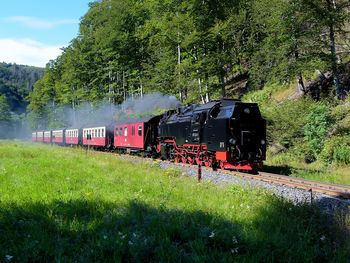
38	23
27	52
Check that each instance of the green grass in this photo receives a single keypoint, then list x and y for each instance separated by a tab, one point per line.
291	164
60	204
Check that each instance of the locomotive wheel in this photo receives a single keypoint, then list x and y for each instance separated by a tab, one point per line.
191	160
222	165
210	163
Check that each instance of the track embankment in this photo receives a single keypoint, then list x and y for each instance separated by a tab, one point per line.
336	190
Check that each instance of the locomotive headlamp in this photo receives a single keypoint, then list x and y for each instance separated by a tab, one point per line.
233	141
246	110
262	142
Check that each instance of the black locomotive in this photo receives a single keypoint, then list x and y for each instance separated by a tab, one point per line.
226	133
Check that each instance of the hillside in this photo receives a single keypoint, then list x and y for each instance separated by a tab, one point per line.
62	204
16	82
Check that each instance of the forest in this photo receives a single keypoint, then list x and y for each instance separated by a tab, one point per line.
16	82
196	49
292	57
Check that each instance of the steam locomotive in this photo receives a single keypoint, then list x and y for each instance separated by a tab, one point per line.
225	133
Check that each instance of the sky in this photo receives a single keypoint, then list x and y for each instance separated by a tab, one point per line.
32	32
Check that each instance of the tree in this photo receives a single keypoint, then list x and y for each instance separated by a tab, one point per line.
5	114
5	118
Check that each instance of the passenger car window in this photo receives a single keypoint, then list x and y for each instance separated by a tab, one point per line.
125	131
139	130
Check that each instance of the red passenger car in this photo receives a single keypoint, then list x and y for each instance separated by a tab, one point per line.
40	136
129	135
33	136
72	136
47	136
136	135
58	136
100	136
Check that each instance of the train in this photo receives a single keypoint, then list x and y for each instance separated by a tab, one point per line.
227	134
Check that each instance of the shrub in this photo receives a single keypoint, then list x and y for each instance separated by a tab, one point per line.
341	154
336	150
341	115
286	121
317	126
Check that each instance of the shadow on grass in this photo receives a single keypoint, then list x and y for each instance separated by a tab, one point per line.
96	231
285	169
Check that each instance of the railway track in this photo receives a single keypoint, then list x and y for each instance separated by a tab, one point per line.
335	190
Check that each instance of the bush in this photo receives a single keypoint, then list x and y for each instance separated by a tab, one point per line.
286	121
336	150
341	116
342	154
317	126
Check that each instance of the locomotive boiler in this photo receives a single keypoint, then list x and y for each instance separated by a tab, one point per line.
227	133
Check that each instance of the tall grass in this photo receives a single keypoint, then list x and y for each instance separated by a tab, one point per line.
61	204
292	164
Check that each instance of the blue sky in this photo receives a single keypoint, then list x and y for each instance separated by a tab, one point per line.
33	31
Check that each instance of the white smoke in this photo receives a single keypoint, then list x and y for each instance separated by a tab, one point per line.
104	113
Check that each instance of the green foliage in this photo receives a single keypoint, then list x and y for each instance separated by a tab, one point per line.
262	97
5	118
341	154
341	116
4	109
317	126
16	81
59	204
336	150
286	121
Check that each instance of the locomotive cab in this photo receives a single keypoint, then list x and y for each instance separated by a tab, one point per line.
247	132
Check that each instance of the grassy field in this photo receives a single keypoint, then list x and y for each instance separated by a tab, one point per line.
61	204
287	164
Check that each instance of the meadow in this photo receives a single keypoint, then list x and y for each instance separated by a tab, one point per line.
66	205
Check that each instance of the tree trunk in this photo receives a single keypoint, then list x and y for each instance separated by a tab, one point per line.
179	62
207	98
141	87
338	89
222	83
124	86
200	90
110	88
301	86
